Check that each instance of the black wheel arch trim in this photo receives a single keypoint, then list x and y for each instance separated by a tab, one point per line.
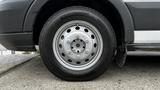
18	41
127	19
118	4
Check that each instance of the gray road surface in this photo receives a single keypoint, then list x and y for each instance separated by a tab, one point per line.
140	73
9	61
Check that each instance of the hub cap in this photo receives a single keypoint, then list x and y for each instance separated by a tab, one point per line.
77	45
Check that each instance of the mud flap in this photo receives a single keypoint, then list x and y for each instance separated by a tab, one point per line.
121	56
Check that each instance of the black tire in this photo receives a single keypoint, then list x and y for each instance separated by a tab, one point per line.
77	13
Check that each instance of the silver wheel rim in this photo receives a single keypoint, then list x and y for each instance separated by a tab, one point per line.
77	45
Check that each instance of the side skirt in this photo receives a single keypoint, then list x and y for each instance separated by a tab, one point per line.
18	41
146	42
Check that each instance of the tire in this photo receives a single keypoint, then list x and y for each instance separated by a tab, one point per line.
68	60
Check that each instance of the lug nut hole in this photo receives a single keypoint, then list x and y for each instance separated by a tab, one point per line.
69	60
78	62
92	54
95	45
77	28
86	30
60	45
92	36
86	60
63	54
69	30
62	37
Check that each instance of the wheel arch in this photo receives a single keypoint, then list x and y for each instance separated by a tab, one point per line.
126	18
121	10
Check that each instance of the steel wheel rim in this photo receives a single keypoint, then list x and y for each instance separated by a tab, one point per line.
77	45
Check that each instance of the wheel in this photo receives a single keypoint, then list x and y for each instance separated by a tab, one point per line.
77	43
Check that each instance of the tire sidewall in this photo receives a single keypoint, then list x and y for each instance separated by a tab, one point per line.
70	14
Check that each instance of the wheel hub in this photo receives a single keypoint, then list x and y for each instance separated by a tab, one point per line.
78	46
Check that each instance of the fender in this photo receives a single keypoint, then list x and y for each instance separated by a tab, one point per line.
32	13
127	19
118	4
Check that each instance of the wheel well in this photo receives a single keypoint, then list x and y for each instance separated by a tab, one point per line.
102	6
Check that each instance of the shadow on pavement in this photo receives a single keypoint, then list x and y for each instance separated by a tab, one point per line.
141	61
136	67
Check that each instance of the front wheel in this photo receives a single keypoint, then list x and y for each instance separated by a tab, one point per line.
77	43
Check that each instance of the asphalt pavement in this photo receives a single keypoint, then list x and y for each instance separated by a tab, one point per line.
8	62
139	73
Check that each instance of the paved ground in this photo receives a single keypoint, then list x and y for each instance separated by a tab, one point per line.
140	73
9	61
